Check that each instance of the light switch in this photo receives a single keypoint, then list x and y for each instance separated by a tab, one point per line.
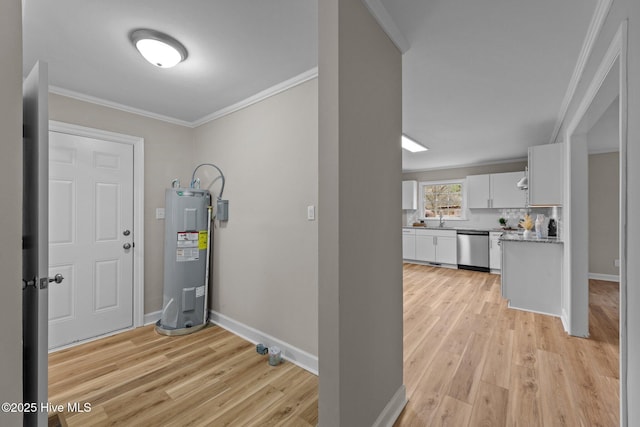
159	213
311	213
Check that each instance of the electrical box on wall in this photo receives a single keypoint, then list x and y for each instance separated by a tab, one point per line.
222	210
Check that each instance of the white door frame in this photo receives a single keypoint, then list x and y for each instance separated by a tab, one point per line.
138	202
617	51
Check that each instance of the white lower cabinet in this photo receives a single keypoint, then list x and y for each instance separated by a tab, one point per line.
495	251
437	246
408	243
532	276
425	247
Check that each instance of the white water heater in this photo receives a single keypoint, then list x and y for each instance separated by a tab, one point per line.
186	261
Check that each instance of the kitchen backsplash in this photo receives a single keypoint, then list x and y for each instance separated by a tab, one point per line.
488	218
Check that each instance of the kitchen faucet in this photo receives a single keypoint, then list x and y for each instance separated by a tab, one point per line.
441	221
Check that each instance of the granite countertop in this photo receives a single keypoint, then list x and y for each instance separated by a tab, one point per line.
512	237
458	228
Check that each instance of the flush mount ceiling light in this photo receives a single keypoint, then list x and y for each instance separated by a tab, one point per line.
158	48
411	145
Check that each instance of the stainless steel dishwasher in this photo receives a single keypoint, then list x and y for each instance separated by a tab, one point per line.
473	250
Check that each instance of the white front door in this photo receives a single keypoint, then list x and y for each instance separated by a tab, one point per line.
90	237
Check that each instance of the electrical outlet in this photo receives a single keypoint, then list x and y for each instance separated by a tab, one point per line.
159	213
616	263
311	213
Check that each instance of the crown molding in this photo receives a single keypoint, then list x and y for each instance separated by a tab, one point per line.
380	13
260	96
273	90
597	21
466	165
110	104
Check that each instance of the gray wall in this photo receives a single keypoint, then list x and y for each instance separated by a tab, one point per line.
11	217
604	189
360	256
265	257
621	10
168	154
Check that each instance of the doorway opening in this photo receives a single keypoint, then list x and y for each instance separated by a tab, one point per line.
601	117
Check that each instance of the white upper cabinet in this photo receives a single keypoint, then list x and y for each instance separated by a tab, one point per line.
496	190
479	191
505	193
546	175
409	195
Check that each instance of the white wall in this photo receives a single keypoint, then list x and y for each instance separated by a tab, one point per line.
621	10
360	255
168	153
265	257
11	217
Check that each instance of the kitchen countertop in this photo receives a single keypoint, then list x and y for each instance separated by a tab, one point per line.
507	235
459	228
513	237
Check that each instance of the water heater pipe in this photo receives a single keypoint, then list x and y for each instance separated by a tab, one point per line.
193	176
205	315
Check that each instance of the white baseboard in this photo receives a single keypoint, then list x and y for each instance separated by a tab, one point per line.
533	311
392	411
153	317
565	320
605	277
291	353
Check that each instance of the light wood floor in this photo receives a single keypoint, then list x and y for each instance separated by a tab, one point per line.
208	378
469	361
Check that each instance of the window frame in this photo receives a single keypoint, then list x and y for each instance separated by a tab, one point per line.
463	207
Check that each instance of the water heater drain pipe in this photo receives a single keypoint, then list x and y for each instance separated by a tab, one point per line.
205	315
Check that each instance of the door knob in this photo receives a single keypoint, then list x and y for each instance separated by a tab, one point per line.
127	246
58	278
126	232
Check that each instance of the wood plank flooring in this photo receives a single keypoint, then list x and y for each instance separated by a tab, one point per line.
469	361
208	378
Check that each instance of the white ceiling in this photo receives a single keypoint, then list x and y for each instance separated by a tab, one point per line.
482	80
237	48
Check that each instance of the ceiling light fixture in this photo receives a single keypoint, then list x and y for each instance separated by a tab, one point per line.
158	48
411	145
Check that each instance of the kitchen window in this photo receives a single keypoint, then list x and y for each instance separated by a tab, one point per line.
442	197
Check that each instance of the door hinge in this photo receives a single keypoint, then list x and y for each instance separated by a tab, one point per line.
31	282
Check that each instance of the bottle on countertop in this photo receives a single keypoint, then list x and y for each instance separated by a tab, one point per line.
538	225
553	228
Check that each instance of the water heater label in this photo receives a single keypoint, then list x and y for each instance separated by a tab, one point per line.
202	240
187	243
199	291
187	236
187	254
